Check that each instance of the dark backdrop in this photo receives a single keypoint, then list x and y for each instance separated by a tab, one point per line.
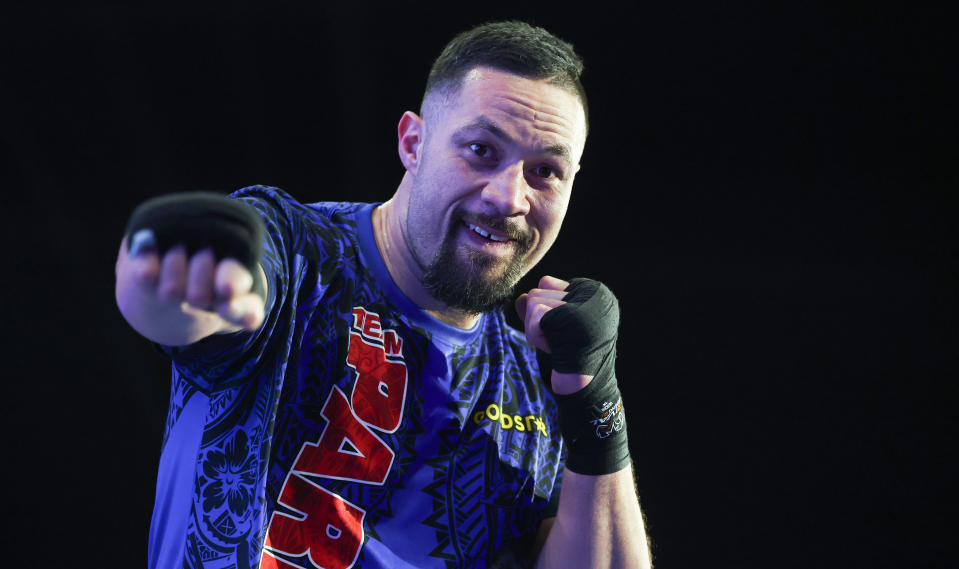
770	192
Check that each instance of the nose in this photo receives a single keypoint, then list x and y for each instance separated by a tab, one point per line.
507	191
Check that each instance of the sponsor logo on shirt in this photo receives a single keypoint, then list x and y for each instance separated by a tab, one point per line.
528	423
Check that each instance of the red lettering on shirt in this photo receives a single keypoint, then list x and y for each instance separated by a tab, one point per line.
347	449
380	388
392	343
371	326
327	528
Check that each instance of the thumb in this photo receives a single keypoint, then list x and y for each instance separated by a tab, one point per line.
245	310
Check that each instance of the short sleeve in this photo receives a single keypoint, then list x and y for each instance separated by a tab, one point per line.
226	358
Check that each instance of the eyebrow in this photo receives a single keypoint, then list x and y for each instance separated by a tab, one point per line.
485	123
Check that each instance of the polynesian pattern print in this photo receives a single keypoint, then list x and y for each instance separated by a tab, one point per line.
352	429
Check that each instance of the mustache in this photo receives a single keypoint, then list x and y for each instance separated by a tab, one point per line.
506	226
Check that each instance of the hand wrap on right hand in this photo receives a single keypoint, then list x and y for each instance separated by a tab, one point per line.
582	337
199	220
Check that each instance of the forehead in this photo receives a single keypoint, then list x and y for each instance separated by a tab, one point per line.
532	111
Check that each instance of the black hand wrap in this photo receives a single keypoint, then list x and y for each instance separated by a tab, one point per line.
199	220
582	337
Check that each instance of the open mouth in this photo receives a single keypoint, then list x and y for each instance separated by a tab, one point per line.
485	234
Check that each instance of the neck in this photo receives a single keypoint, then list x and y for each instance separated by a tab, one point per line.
404	268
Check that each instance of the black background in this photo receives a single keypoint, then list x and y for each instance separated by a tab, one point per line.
769	191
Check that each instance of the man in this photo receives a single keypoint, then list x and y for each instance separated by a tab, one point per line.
355	398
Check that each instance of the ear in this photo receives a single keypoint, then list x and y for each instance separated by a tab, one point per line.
410	134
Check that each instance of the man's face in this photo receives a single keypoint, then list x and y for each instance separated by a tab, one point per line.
492	184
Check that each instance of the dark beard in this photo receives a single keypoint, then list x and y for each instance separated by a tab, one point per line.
463	285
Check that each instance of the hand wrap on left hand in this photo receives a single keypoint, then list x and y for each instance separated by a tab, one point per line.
582	337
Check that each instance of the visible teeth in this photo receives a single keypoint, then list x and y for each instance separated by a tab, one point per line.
478	230
485	234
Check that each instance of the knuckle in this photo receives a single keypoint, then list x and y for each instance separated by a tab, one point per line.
198	296
175	254
199	263
169	291
142	272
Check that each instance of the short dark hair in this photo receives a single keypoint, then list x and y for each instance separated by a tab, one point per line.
511	46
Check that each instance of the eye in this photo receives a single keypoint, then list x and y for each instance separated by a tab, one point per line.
481	150
544	172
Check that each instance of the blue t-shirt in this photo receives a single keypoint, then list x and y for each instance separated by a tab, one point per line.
352	429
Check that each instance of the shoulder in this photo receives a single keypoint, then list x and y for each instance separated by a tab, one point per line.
310	229
274	201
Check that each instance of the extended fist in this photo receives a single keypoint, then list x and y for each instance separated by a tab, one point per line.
189	267
199	281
